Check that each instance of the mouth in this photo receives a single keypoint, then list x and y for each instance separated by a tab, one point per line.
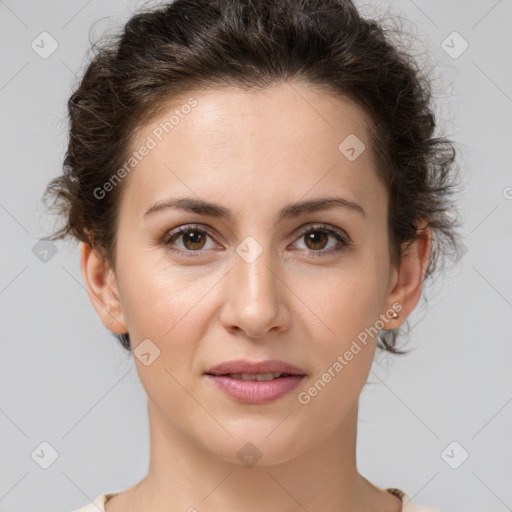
241	368
259	377
255	382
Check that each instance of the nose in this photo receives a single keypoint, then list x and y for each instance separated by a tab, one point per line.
255	297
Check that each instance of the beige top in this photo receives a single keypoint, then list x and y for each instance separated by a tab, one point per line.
98	505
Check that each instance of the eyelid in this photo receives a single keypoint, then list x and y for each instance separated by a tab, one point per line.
343	238
184	229
324	227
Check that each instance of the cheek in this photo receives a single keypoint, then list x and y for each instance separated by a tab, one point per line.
343	301
165	305
346	308
160	302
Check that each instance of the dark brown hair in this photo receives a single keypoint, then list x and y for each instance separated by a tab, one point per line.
188	45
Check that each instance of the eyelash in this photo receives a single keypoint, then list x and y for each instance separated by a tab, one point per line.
319	228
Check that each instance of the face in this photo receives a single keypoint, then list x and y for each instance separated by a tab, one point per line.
242	281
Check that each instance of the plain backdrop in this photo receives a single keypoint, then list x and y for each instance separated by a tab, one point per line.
435	423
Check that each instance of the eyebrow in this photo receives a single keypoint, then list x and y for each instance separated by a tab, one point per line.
292	210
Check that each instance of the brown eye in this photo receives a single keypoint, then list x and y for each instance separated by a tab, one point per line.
187	239
193	239
316	240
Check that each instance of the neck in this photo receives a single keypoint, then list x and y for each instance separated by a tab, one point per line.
185	476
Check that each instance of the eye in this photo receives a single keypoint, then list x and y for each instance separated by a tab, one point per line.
193	238
316	239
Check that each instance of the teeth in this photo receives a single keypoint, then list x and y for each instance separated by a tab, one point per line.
260	377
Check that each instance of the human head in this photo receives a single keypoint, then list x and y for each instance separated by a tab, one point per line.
195	45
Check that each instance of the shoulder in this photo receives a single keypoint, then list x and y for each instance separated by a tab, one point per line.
98	505
407	504
411	507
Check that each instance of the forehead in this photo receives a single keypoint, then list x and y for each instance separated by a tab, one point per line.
284	141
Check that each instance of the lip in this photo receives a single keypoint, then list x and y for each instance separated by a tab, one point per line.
255	392
244	366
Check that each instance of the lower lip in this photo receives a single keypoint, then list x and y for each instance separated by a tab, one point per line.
256	392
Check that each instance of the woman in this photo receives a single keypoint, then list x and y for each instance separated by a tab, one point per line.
259	196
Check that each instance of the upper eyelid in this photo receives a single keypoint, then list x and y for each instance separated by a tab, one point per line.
301	230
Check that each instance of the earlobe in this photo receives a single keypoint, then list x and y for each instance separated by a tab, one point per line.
410	275
101	285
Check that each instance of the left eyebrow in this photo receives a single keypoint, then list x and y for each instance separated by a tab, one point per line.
292	210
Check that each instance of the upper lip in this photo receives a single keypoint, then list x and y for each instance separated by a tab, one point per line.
254	367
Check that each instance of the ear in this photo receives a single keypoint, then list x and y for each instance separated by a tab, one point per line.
407	281
101	285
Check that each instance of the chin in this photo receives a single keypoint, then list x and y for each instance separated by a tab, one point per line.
257	445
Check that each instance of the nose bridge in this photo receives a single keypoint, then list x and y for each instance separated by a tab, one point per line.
253	293
252	269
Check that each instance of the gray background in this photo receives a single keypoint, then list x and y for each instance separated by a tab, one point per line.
64	380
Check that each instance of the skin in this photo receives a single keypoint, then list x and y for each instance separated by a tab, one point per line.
254	153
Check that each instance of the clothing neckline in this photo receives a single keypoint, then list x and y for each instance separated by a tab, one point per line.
396	492
392	490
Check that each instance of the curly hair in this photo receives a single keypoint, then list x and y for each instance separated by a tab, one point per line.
187	45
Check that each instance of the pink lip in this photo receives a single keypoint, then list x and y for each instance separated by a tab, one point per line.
244	366
255	392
